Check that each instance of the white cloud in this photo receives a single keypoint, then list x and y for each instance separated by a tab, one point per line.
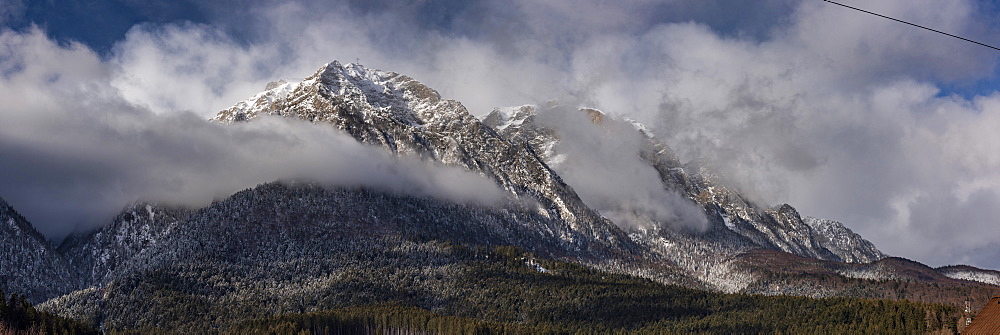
834	111
828	116
75	152
603	164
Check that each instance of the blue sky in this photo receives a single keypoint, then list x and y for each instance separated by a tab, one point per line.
100	24
885	127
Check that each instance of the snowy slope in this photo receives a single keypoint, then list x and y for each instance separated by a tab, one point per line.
288	243
29	265
846	244
106	253
737	224
402	115
284	244
966	272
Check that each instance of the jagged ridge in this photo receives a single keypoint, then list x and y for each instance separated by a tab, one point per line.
406	117
779	228
311	231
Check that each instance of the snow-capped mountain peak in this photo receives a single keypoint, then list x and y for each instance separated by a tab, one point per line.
352	87
406	117
287	243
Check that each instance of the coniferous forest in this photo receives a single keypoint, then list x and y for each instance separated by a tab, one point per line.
18	316
569	298
507	290
276	275
301	256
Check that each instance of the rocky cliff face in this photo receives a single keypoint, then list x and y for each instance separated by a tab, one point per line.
398	113
780	228
523	156
847	245
293	242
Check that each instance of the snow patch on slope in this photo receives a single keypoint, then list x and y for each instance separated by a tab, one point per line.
640	127
972	274
511	116
872	273
275	93
840	240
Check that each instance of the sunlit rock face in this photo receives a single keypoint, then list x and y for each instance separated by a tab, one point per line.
402	115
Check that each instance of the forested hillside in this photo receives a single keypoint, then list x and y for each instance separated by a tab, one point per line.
506	290
523	294
18	316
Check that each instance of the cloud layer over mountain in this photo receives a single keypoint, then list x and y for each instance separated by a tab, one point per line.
842	114
75	152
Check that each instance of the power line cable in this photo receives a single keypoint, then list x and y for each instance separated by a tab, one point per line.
912	24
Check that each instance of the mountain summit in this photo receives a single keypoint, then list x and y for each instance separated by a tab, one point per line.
402	115
527	158
598	198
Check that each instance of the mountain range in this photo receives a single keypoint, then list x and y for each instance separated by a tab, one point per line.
582	188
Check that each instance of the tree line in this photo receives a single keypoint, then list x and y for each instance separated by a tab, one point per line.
18	316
